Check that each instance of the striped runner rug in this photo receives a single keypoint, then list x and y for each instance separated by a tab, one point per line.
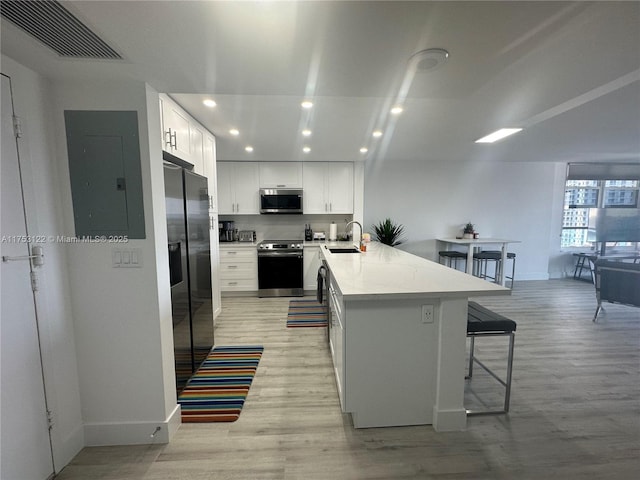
217	391
306	313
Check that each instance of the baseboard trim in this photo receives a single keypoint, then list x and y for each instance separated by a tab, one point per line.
132	433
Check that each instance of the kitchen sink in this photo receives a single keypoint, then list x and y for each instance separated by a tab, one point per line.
343	250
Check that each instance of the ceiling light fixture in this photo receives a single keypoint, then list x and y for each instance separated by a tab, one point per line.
306	149
364	150
235	132
498	135
428	60
307	104
397	110
306	132
377	133
248	148
209	103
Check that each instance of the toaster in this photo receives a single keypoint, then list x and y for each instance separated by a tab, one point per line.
247	236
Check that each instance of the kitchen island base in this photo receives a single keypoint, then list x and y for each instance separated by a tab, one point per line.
399	369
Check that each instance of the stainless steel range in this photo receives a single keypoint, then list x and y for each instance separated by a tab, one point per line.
280	264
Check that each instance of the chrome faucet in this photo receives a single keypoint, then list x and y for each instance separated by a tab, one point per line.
353	236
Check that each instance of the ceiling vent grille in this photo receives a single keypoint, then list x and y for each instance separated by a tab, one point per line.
57	28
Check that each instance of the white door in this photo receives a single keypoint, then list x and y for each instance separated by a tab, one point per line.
26	445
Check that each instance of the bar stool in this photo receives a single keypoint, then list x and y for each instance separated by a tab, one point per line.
482	322
483	258
452	256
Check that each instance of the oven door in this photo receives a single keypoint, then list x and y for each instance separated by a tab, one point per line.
280	274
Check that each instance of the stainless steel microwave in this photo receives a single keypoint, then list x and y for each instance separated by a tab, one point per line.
280	200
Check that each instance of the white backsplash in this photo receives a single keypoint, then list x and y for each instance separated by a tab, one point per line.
287	227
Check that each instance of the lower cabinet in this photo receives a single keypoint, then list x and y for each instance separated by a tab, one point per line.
238	268
336	339
312	262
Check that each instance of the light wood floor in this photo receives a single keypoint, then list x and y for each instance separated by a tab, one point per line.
575	410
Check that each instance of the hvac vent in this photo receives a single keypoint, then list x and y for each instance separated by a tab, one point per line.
57	28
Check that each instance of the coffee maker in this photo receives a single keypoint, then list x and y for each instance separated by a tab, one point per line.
227	231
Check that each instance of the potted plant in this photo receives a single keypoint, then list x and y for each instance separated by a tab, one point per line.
388	232
468	230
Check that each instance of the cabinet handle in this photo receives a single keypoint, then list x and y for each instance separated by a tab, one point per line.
237	208
167	134
232	266
231	253
175	140
281	186
211	201
233	283
325	208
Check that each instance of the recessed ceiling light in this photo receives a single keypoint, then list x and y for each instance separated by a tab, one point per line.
235	132
306	132
248	148
364	150
306	149
397	110
498	135
429	59
307	104
377	133
209	103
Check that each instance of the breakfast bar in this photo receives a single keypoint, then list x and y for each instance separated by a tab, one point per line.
398	337
471	243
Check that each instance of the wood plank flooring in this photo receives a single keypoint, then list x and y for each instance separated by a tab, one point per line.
575	406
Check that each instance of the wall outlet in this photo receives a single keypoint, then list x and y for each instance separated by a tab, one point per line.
427	314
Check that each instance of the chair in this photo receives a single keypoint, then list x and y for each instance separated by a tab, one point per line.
482	322
482	259
616	282
452	256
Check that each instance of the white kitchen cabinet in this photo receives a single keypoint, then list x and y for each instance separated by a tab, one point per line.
216	300
238	188
328	187
280	175
336	339
176	129
311	264
210	171
238	268
197	149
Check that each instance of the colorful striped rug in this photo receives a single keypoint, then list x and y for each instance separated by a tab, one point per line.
217	391
306	313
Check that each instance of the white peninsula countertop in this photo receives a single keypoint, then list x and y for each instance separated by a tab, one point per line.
395	274
397	333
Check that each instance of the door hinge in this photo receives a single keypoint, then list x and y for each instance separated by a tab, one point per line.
17	126
34	281
50	419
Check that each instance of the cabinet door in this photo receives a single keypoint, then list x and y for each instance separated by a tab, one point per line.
215	267
197	149
314	180
280	175
177	129
225	188
311	265
247	186
210	171
340	187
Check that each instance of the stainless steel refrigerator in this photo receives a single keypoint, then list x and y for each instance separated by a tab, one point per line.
187	201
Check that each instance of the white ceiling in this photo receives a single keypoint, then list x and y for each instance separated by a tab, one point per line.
568	72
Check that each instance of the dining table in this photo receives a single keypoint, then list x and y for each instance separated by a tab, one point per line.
473	243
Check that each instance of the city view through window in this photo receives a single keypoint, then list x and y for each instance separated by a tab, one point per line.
582	198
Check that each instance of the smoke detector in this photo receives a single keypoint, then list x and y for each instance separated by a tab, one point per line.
428	60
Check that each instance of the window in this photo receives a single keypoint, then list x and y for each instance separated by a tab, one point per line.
584	201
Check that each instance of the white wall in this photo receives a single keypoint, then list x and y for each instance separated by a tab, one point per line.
31	94
435	199
121	315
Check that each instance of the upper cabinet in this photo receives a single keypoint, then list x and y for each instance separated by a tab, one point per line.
280	175
176	129
328	187
210	171
238	188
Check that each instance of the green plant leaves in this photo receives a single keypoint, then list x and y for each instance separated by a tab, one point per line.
388	232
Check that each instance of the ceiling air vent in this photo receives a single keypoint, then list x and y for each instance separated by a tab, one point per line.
57	28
